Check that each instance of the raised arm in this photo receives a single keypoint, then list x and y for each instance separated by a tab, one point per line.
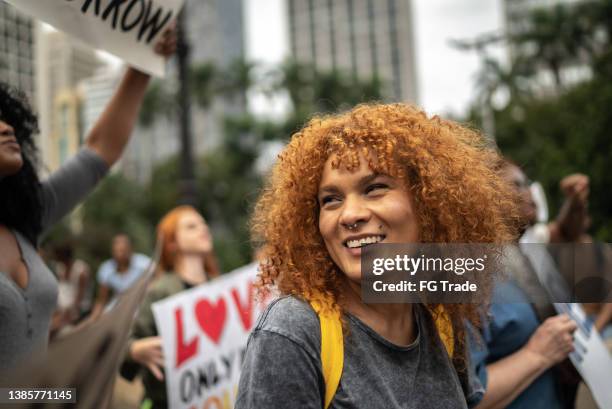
111	132
71	183
571	220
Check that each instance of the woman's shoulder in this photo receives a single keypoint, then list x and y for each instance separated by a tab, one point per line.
292	318
288	312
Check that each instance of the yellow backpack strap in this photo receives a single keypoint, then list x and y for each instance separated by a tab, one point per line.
445	329
332	349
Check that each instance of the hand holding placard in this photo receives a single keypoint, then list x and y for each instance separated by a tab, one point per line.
127	28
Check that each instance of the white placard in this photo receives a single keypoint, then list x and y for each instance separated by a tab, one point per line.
204	333
590	357
125	28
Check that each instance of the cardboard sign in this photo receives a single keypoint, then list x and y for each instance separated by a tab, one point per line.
204	332
126	28
85	360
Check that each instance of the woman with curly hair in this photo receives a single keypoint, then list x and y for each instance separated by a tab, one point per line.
187	259
29	207
376	174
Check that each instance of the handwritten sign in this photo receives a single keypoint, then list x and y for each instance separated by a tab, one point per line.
125	28
205	332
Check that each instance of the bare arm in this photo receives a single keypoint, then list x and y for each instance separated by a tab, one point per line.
604	317
101	301
111	132
510	376
83	281
571	220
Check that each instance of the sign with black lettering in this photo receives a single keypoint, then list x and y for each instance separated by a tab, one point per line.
125	28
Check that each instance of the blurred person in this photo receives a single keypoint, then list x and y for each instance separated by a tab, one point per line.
187	260
569	225
378	173
28	207
118	274
74	290
524	340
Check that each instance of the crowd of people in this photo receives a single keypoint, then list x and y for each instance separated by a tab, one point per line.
378	173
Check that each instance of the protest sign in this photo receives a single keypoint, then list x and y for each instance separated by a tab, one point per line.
83	363
125	28
204	332
590	357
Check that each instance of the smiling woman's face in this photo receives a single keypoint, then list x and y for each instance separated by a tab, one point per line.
11	160
359	208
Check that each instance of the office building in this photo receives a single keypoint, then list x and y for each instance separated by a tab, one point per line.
61	64
362	37
17	33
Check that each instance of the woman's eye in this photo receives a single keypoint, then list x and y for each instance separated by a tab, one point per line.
328	199
376	187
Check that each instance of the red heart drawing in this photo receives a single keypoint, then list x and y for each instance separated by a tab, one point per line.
211	318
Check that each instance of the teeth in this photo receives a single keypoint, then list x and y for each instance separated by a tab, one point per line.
363	241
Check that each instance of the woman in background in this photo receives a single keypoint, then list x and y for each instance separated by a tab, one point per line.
187	260
28	207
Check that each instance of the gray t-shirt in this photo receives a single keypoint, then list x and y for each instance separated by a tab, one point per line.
282	366
25	313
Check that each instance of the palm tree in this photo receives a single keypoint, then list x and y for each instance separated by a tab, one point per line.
160	97
550	40
237	80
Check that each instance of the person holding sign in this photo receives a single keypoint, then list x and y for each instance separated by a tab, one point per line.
187	260
521	353
28	207
376	174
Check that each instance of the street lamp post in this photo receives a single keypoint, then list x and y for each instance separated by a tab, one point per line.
187	186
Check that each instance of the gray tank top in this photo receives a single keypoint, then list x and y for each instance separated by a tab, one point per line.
25	313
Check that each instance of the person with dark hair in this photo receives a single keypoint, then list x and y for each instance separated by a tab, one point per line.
521	356
29	207
74	297
117	275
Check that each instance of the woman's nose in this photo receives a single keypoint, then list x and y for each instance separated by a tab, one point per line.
354	211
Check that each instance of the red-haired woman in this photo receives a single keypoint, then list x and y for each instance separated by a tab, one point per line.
187	260
376	174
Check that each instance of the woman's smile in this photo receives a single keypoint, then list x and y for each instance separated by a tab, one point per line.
359	208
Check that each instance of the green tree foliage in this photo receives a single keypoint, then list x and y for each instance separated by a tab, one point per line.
312	90
558	129
116	206
162	192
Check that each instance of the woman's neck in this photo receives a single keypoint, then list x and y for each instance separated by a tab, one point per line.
394	322
190	268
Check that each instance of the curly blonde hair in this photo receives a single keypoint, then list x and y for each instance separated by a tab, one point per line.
449	169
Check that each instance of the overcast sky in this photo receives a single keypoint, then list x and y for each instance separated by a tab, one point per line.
445	75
